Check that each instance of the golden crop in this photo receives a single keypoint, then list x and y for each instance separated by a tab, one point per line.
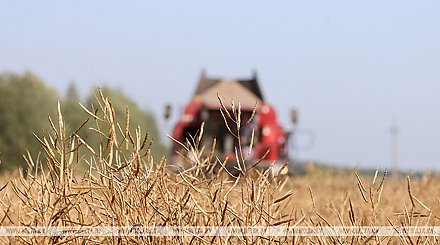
124	186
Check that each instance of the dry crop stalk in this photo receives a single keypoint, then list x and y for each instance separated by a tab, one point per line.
125	186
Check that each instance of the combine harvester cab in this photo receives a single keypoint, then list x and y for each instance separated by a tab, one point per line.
270	138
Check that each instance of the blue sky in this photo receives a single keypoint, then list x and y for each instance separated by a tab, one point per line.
352	68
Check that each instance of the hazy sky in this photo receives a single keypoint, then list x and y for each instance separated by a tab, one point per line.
352	68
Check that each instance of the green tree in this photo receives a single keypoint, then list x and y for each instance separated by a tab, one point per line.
25	104
74	116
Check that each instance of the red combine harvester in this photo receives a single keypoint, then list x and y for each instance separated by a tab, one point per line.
205	107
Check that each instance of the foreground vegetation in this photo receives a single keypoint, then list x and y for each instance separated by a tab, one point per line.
124	185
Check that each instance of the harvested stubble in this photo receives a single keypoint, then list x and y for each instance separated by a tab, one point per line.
124	186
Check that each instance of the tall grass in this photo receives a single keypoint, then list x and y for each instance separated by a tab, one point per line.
125	186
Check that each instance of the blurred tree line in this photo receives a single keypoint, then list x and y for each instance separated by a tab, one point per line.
26	102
